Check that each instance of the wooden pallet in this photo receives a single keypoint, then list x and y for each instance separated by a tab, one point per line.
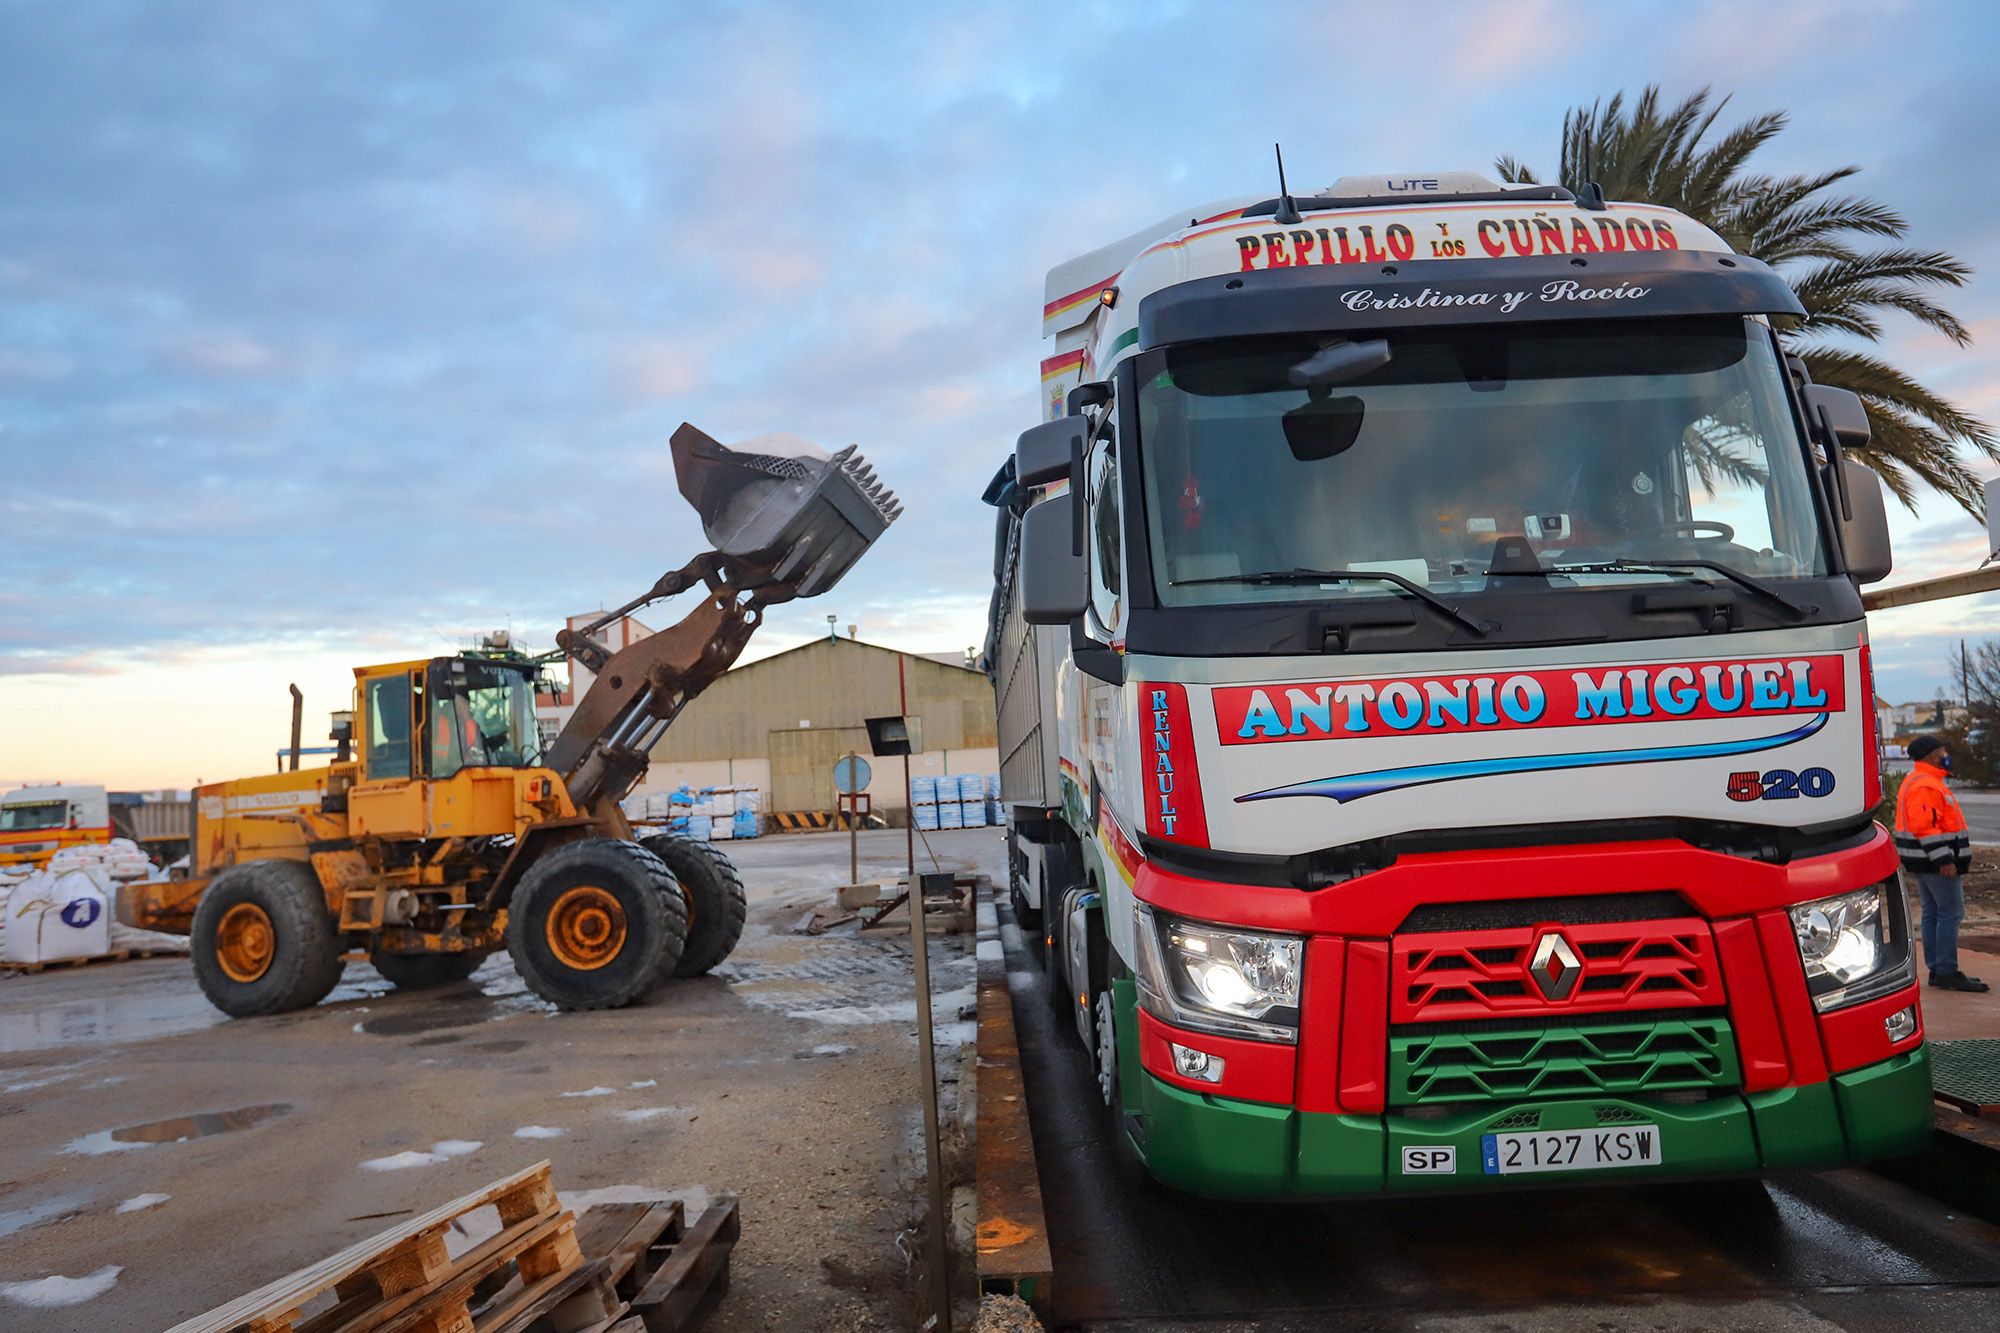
115	956
543	1270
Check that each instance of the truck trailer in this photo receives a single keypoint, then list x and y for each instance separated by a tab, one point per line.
1435	703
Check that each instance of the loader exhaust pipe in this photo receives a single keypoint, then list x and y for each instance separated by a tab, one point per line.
785	511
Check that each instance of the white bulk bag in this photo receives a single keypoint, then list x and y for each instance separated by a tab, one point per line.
58	914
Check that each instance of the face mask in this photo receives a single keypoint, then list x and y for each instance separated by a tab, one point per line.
1943	761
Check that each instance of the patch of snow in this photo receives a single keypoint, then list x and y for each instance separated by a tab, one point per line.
54	1292
639	1113
31	1084
989	919
956	1034
599	1091
1022	981
1010	935
826	1051
401	1161
989	951
139	1203
441	1151
539	1132
101	1144
645	1083
854	1015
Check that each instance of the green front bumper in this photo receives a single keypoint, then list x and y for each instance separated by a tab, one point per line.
1217	1146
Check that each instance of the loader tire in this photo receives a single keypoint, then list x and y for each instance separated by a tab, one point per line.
715	901
263	940
596	924
420	971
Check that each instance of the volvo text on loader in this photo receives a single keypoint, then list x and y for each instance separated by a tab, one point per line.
447	832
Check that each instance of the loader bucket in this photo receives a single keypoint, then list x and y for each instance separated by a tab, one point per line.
787	512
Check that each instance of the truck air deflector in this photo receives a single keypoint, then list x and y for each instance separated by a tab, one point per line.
1427	293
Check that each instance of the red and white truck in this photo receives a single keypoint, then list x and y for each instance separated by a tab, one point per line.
1435	702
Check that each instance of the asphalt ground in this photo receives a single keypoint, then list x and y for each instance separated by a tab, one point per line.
1842	1250
158	1159
1982	814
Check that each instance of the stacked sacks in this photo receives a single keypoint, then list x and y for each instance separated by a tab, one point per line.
745	821
56	914
924	801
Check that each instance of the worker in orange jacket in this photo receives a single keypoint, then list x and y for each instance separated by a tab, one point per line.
1935	848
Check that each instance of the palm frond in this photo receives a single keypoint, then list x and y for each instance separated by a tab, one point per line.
1647	151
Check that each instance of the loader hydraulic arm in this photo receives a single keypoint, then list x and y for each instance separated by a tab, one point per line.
787	520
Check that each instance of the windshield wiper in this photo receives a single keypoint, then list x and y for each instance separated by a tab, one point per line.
1272	577
1675	565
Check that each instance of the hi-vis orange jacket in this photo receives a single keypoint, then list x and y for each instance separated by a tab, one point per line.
1930	831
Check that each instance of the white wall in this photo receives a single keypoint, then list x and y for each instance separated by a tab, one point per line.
698	773
885	784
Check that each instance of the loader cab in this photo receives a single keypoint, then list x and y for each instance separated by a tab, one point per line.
449	749
435	719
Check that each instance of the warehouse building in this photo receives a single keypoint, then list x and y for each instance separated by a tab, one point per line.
781	723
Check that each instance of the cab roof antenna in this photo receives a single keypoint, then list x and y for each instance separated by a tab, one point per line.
1288	210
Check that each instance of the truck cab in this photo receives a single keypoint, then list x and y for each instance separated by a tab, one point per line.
1463	702
37	822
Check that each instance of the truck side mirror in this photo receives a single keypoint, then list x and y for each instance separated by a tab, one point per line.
1844	412
1864	538
1055	579
1044	453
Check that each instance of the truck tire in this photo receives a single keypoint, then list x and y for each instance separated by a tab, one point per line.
420	971
263	941
596	924
716	905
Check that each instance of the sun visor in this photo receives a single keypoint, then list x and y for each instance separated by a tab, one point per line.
1448	291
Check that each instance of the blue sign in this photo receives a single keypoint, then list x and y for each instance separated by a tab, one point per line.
851	775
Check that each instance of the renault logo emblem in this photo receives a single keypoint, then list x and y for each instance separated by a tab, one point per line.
1555	967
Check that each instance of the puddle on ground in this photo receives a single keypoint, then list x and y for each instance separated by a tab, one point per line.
176	1129
67	1024
444	1040
502	1046
48	1210
429	1014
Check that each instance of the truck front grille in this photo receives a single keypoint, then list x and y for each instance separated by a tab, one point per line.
1453	976
1496	1062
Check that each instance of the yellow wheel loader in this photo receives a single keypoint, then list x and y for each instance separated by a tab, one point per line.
443	831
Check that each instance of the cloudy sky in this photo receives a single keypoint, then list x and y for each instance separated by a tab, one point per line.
335	334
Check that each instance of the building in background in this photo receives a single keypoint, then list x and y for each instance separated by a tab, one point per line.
781	723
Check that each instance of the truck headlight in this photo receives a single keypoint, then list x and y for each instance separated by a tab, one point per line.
1854	946
1234	982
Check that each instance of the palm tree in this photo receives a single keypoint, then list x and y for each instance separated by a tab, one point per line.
1667	156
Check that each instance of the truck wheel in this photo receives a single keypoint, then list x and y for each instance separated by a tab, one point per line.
420	971
596	924
715	902
263	941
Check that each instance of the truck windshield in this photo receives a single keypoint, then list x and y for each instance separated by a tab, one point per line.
1475	452
483	715
33	815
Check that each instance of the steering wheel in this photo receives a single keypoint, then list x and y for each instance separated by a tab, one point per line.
1693	527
